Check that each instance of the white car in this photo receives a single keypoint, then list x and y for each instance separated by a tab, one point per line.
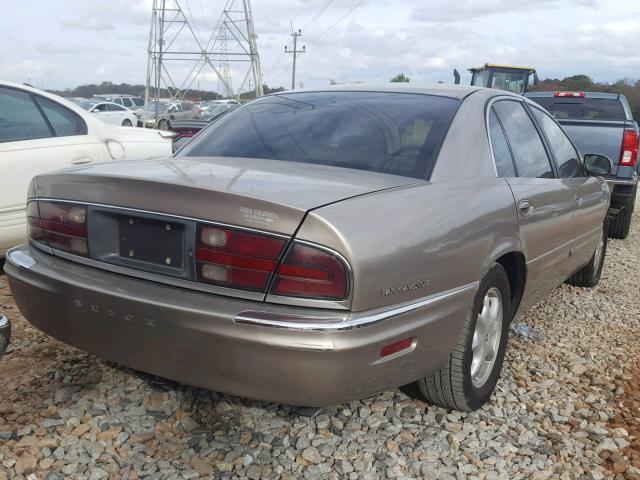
40	132
111	113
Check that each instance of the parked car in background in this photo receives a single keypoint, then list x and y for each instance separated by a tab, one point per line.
168	112
129	101
40	132
315	247
602	123
5	334
184	131
213	111
111	113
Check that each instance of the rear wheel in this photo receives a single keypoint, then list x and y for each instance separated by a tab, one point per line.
469	378
163	125
126	123
589	275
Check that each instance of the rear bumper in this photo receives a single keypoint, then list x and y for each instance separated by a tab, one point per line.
253	349
5	334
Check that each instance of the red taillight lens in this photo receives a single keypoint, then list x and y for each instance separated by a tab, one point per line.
236	259
311	273
62	226
569	94
629	153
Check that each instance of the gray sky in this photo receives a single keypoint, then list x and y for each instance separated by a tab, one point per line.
65	43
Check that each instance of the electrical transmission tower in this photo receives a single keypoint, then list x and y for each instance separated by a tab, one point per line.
178	56
225	83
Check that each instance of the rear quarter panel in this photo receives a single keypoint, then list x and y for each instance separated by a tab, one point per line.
444	234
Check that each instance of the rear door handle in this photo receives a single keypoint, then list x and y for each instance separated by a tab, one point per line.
525	207
81	160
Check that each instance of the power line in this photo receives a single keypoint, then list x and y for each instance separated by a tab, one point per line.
315	18
353	9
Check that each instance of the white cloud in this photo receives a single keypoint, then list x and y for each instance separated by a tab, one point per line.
82	41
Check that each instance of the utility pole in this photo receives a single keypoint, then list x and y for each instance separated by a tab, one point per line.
295	52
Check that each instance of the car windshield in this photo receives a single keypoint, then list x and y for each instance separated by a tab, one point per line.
394	133
583	108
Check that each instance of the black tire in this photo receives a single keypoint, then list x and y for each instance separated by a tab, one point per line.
589	275
620	224
127	123
163	125
452	386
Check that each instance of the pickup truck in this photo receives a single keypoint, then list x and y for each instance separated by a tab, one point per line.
602	123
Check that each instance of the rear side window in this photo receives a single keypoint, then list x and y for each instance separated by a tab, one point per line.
394	133
115	108
65	122
20	118
583	108
528	150
500	147
567	158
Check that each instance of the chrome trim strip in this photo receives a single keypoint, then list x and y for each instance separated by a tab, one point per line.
20	259
161	279
338	323
162	214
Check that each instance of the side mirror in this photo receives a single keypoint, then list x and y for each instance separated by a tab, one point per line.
598	165
456	76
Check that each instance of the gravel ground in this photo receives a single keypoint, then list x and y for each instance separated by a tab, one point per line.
567	407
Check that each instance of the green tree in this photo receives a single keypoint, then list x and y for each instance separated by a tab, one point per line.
400	78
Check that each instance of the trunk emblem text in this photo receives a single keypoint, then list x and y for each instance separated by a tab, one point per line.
407	287
257	215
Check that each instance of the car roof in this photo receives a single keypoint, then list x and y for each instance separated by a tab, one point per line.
551	93
439	89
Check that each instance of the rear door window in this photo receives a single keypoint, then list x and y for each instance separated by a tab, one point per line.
529	154
567	158
65	122
394	133
112	107
20	118
500	147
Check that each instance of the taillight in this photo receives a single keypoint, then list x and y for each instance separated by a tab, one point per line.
236	259
62	226
311	272
569	94
629	152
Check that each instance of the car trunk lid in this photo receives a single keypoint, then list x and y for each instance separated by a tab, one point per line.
267	195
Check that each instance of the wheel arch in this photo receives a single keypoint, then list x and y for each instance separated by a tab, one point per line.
515	265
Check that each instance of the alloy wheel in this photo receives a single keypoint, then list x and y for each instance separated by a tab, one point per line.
486	337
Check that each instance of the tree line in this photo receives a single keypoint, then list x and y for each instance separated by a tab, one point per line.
106	88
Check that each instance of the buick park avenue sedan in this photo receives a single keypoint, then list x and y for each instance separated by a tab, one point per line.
315	247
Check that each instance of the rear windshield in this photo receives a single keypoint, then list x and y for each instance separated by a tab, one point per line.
583	108
394	133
